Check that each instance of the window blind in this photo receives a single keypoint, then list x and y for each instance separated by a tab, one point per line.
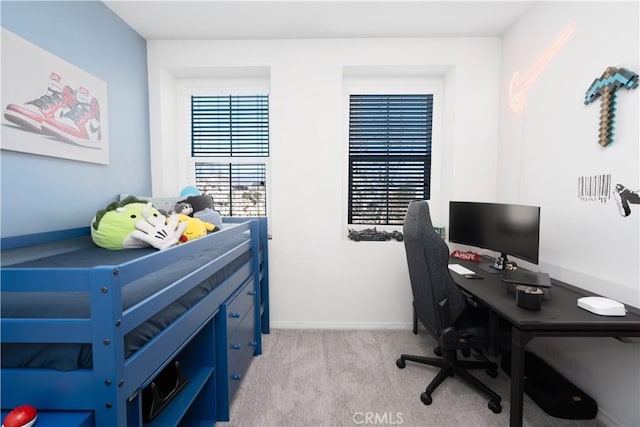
389	155
230	126
230	137
238	189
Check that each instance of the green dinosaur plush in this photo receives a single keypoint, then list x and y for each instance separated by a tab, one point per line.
134	223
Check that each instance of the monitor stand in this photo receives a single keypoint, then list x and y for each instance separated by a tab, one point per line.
490	265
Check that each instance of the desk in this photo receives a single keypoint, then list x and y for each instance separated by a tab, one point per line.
559	317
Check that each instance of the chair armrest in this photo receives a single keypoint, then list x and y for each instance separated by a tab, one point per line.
449	337
470	300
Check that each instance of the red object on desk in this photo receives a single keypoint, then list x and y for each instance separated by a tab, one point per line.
22	416
469	256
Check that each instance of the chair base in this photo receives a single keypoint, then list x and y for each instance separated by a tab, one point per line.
450	366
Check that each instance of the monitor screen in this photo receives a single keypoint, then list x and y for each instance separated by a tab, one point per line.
505	228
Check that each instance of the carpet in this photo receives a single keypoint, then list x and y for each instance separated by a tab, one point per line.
335	378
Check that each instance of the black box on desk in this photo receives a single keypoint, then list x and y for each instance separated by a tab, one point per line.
512	287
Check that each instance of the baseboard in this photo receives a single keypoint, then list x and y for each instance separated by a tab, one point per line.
339	325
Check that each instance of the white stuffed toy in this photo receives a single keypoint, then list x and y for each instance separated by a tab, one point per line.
133	223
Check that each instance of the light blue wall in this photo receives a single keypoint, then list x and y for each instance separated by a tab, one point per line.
44	193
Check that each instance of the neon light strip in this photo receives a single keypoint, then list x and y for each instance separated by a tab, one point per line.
519	86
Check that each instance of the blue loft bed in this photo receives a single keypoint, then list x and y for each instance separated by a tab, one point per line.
85	329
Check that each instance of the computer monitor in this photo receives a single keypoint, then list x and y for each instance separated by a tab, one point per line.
506	228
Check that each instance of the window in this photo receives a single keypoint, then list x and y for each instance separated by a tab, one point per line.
230	150
389	155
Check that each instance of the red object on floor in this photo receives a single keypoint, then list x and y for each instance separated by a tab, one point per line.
22	416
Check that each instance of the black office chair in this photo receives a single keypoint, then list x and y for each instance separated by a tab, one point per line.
442	308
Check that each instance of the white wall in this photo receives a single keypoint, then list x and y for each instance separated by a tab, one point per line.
545	148
318	277
321	279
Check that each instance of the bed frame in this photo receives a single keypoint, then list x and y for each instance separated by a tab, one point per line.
109	394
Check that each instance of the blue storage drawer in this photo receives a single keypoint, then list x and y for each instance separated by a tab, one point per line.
240	352
238	306
236	341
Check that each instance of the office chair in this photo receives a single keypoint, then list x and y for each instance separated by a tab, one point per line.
442	308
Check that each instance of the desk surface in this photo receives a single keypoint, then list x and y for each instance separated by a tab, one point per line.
559	316
559	313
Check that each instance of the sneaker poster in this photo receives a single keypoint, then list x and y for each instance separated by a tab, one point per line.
50	107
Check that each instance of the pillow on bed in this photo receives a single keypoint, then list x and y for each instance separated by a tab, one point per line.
163	204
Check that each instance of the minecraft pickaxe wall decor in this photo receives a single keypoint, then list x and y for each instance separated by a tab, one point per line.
606	87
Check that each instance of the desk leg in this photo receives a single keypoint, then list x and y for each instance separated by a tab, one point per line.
494	331
415	321
519	339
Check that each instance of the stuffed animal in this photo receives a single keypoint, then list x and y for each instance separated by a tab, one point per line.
183	208
203	209
195	228
210	216
133	223
190	190
201	206
200	202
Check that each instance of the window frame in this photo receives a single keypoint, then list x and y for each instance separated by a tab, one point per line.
401	85
218	87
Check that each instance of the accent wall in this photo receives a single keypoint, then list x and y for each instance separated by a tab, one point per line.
45	193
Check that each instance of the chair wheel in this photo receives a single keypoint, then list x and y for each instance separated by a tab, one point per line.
400	364
426	398
495	406
437	352
493	373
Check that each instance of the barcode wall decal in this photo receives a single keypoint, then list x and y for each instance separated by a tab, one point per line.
594	188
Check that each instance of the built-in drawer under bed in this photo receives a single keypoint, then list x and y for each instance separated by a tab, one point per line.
67	305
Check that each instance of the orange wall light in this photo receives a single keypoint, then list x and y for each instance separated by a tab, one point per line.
519	84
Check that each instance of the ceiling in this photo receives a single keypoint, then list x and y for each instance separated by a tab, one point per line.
244	19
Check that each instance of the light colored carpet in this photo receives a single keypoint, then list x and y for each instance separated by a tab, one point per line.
323	378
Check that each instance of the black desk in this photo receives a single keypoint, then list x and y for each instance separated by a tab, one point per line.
559	317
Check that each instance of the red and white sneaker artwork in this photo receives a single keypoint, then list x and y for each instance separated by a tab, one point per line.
58	100
80	125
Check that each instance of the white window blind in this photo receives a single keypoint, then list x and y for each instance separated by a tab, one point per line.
230	143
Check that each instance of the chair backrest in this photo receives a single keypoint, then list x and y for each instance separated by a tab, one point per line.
428	260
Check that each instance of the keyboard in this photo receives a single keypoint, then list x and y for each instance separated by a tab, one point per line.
460	269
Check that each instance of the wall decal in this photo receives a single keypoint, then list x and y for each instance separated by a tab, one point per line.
606	87
594	188
51	107
519	85
624	197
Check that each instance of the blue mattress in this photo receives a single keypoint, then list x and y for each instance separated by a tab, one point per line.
76	304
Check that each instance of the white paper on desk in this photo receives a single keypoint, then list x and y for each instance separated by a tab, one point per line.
457	268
